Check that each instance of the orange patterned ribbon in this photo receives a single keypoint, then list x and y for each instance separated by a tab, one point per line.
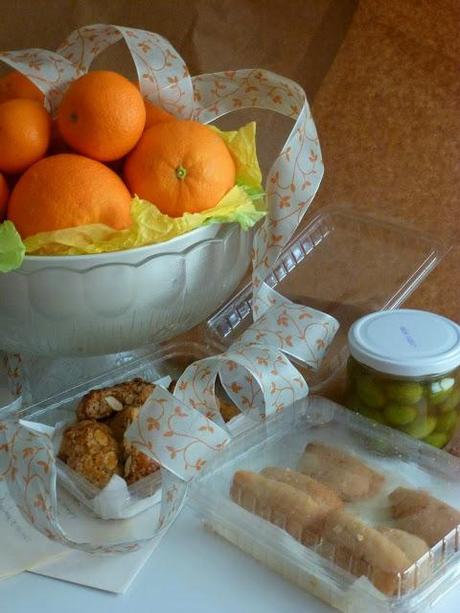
163	75
259	378
28	463
175	434
185	430
295	175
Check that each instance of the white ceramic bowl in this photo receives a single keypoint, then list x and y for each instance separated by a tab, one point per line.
111	302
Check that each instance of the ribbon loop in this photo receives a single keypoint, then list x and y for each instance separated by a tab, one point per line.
258	378
298	331
295	175
163	75
176	435
48	70
28	463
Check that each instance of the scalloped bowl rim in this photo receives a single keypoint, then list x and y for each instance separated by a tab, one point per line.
60	261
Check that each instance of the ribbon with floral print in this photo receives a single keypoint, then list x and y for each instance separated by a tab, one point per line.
184	430
176	435
259	379
180	431
28	463
295	175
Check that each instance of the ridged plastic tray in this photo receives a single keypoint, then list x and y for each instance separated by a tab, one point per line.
403	461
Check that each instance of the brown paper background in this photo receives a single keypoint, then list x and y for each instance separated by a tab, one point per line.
382	77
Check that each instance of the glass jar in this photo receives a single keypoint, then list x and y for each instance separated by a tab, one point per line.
404	372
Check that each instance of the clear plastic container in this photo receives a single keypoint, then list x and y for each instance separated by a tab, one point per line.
117	500
345	264
404	372
345	576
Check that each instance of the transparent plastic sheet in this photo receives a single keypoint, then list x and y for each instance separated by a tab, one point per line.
341	578
346	264
182	431
32	379
117	499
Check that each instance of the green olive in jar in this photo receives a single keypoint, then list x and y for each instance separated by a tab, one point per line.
399	415
439	391
355	404
452	402
437	439
405	392
421	427
373	414
446	421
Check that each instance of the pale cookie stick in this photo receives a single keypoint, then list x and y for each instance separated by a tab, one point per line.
413	546
280	504
350	478
415	549
318	491
362	550
419	513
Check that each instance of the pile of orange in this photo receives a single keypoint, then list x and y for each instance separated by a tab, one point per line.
58	173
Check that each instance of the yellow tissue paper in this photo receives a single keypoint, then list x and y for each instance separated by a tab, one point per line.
149	227
243	204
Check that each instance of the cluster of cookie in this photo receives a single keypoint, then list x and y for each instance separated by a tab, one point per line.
94	446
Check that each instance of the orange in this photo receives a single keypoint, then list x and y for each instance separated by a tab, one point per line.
65	191
4	193
16	85
180	166
25	129
155	115
102	115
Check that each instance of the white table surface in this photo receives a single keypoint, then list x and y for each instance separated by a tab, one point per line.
190	571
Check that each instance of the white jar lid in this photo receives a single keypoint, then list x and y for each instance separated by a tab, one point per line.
406	342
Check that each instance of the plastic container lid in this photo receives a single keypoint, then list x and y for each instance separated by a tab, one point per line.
343	263
406	342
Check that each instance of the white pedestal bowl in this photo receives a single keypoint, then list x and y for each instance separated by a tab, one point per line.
99	304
